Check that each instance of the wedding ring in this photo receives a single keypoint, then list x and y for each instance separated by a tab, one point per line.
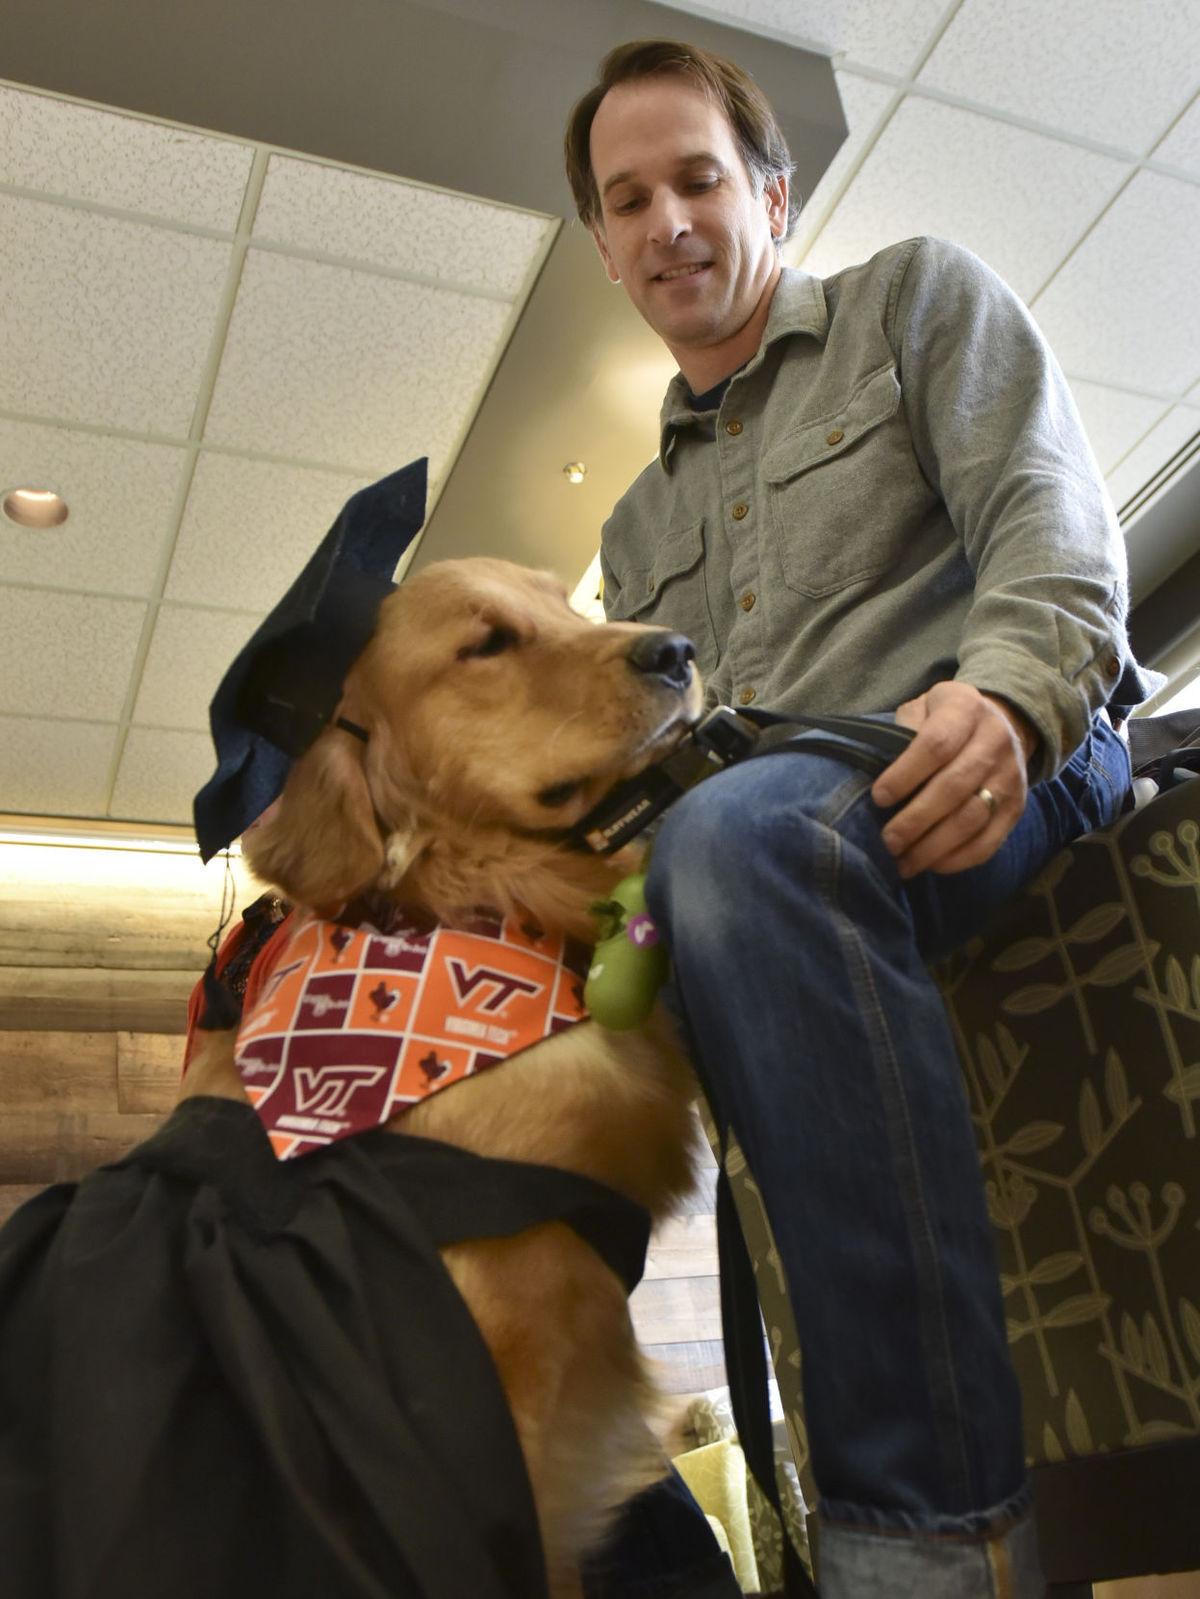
989	799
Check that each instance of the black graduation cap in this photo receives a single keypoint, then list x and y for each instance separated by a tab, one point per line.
284	686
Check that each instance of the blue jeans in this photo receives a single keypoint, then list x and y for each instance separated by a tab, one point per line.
800	963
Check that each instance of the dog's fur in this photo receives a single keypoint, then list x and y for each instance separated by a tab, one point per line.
483	694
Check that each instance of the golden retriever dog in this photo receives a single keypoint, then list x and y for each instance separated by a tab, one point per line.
497	717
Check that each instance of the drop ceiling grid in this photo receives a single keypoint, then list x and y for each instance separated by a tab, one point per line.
122	494
888	38
1180	145
1094	69
87	173
1153	450
197	425
326	317
346	367
118	161
123	314
886	57
1083	98
39	782
921	175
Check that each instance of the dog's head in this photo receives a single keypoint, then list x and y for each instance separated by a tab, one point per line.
496	718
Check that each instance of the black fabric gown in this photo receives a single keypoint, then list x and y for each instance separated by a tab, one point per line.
222	1375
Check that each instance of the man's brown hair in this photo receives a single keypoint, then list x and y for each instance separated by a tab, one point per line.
756	132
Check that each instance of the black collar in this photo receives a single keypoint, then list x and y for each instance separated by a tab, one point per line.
720	739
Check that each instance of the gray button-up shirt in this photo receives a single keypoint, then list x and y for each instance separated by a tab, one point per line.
895	490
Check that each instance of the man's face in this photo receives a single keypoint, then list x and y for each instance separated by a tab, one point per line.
680	223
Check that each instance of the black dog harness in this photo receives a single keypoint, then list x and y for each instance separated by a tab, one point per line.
724	738
721	739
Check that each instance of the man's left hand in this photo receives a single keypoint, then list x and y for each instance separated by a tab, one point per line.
969	745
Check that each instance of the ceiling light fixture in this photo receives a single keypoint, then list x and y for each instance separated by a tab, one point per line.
35	507
574	471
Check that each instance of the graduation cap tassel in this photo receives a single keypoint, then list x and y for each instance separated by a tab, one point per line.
221	1008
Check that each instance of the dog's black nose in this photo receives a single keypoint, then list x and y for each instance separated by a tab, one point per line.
665	655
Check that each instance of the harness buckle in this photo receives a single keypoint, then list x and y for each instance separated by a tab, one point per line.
718	740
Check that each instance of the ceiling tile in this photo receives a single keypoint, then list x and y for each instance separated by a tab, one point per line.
158	775
863	100
103	320
66	654
1018	199
121	496
400	226
1102	69
887	36
1181	147
249	527
79	153
1122	310
1180	424
55	768
351	369
1113	419
189	653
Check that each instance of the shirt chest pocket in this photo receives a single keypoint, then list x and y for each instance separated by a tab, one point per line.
672	592
831	486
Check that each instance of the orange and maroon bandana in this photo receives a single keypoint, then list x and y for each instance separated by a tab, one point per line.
352	1024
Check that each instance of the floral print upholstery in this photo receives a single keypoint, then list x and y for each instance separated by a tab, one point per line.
1077	1018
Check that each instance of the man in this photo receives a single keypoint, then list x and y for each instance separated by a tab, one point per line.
872	494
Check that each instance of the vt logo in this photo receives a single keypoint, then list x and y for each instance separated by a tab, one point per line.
492	989
327	1090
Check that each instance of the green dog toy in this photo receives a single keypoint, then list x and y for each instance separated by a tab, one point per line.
630	963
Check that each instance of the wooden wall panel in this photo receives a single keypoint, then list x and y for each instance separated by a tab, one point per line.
72	1101
149	1067
95	930
676	1309
112	908
60	1072
53	1146
686	1369
684	1246
94	999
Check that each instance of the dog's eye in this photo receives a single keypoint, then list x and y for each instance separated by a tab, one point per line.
559	794
497	640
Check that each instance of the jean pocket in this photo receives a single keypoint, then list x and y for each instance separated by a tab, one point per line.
1099	775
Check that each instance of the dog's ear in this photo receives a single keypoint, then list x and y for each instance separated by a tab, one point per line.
320	844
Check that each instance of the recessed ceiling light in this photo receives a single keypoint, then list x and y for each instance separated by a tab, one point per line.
35	507
574	471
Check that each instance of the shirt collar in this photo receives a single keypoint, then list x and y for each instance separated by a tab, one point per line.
797	306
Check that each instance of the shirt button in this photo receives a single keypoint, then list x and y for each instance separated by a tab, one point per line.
835	437
747	602
740	510
746	696
734	427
